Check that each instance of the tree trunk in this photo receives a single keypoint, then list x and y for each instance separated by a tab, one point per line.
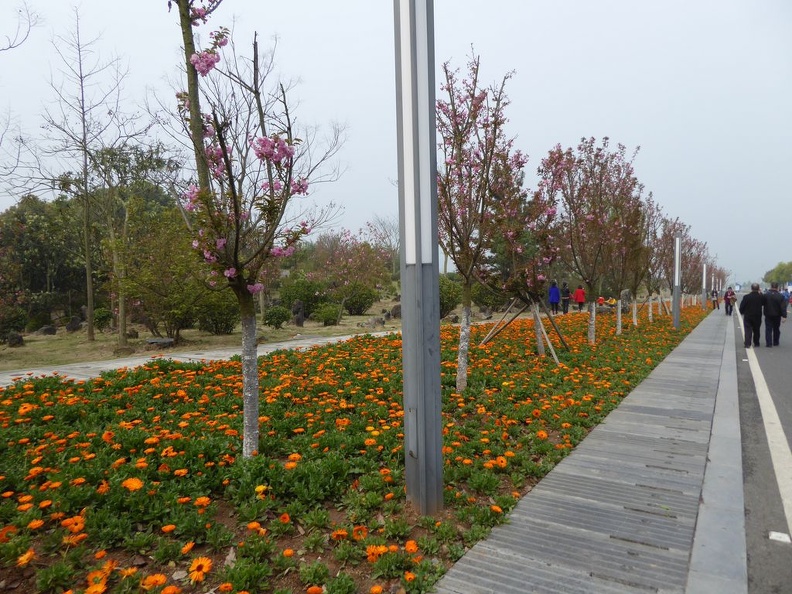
89	292
618	317
194	96
118	271
592	323
635	311
250	378
464	339
540	349
651	305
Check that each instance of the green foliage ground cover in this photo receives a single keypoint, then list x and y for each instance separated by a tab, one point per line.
133	481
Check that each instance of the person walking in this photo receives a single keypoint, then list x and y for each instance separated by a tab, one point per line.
775	309
751	306
729	298
579	297
565	294
554	297
715	301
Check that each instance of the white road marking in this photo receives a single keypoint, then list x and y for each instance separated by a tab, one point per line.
780	454
780	537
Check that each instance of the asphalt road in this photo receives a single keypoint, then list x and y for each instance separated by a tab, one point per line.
769	560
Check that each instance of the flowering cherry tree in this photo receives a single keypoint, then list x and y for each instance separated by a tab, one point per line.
598	196
486	225
250	170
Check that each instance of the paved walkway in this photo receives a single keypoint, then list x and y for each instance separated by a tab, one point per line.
91	369
650	501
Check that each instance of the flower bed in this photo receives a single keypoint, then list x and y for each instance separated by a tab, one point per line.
133	482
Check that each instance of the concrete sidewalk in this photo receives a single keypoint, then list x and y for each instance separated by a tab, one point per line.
650	501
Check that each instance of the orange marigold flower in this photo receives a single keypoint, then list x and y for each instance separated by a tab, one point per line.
4	532
168	528
132	484
45	504
541	434
127	572
288	552
171	590
74	539
375	589
202	502
35	524
181	472
284	518
411	546
187	548
97	577
254	526
314	590
409	576
225	587
295	457
103	488
339	534
359	532
153	581
100	554
496	509
183	500
26	557
199	567
290	465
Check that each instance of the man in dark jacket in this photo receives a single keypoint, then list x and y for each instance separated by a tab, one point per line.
751	309
775	308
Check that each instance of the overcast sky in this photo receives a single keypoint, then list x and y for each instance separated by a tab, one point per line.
704	87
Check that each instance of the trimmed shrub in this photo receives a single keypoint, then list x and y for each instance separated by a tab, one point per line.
311	293
276	316
327	313
219	313
102	318
485	297
359	298
450	295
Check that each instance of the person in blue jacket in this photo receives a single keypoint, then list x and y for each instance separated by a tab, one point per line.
555	297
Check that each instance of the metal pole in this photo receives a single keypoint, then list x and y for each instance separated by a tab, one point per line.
704	288
677	274
415	107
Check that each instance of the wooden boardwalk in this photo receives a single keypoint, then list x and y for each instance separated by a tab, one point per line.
619	514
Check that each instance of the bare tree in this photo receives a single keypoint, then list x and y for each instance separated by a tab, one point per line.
27	19
384	232
84	123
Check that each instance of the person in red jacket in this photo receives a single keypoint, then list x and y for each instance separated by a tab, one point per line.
579	297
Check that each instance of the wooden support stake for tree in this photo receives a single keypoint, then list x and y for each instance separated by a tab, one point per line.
538	328
555	326
547	338
497	329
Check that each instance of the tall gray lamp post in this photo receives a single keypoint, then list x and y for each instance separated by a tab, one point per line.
415	107
677	280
